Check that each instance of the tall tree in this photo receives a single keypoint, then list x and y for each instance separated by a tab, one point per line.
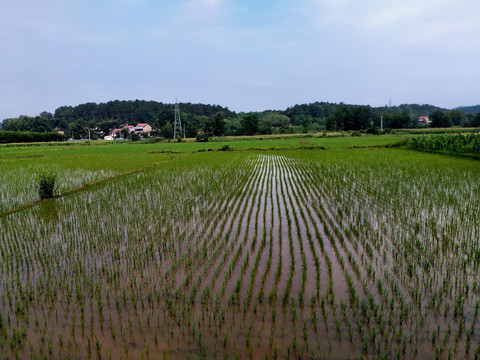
219	124
79	129
439	119
401	120
250	124
358	119
167	130
275	119
476	120
457	117
340	119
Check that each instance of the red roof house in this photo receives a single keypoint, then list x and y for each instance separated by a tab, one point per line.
143	128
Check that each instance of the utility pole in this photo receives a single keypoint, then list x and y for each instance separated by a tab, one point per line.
89	136
381	122
177	126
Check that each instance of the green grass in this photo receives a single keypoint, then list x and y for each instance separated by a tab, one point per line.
237	143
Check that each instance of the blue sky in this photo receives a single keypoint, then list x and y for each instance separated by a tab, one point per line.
246	55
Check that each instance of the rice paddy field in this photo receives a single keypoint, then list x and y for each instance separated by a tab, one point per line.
310	248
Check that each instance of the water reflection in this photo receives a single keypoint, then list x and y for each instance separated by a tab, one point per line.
48	210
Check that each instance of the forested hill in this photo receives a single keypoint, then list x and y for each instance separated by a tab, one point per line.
109	115
469	109
317	116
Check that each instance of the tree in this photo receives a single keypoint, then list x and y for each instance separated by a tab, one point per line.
143	116
476	120
400	120
46	114
63	125
250	124
167	130
191	130
275	119
307	125
125	133
339	118
358	119
330	123
79	129
456	117
208	125
219	124
386	117
439	119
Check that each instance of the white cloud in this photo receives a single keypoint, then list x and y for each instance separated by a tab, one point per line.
394	14
203	10
212	2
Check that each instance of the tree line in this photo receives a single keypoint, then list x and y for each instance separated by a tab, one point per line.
7	137
95	120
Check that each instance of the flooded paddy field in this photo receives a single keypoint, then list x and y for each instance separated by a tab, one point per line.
334	254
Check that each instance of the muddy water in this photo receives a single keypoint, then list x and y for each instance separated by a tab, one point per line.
150	311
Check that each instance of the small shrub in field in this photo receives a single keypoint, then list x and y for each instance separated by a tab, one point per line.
226	148
202	137
46	185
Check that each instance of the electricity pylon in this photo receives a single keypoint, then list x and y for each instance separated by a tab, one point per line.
177	125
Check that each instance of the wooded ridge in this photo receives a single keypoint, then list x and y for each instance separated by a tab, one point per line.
219	120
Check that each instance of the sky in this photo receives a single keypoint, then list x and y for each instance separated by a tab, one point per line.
247	55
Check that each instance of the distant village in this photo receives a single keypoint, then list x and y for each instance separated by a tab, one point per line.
142	129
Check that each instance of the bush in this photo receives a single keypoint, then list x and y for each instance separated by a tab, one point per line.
202	137
225	148
375	130
46	185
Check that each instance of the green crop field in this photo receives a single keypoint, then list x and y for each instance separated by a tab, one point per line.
295	247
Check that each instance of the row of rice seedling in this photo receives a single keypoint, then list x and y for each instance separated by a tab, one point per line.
77	243
279	255
19	175
412	276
